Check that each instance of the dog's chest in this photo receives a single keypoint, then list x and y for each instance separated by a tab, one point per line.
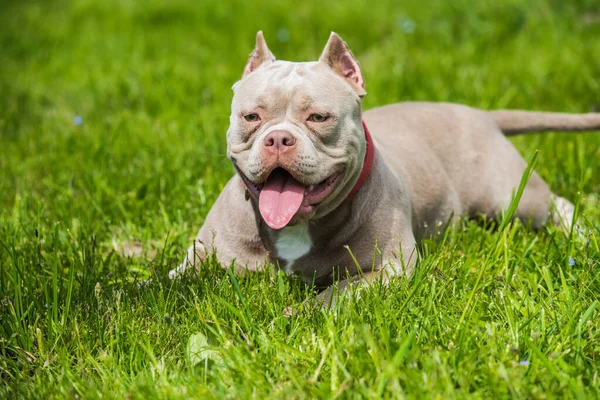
292	243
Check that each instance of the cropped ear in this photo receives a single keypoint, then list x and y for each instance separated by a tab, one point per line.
337	55
260	55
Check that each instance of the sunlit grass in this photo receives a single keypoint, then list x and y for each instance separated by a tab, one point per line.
112	151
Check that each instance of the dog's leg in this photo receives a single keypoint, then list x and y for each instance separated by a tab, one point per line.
230	232
396	265
556	210
329	296
246	253
399	260
561	214
195	254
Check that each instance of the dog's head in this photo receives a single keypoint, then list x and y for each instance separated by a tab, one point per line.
295	134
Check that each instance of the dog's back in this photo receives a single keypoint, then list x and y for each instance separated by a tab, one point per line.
456	159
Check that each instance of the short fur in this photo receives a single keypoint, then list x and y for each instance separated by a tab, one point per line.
432	161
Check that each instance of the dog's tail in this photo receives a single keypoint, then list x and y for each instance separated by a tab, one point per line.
514	122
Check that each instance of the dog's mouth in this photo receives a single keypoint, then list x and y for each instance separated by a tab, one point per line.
281	197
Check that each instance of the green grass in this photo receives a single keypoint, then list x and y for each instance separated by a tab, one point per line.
489	313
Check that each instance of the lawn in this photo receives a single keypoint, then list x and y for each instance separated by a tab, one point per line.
112	150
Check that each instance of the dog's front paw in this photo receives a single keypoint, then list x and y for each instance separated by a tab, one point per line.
175	272
288	312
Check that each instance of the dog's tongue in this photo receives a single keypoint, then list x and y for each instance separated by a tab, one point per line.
280	199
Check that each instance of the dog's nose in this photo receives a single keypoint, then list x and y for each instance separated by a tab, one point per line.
279	142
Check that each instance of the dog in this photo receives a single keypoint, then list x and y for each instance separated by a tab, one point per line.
326	191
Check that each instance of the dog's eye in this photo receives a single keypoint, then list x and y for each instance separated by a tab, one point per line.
317	118
252	117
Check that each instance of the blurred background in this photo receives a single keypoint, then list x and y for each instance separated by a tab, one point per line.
113	116
113	113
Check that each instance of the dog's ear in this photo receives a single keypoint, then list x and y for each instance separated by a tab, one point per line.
260	55
340	59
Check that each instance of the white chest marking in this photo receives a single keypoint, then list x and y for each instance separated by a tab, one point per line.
293	242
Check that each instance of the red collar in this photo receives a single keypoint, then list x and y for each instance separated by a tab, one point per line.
368	164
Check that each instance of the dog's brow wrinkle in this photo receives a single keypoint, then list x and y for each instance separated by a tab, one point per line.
261	100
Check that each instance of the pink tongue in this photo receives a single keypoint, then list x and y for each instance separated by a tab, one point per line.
280	199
